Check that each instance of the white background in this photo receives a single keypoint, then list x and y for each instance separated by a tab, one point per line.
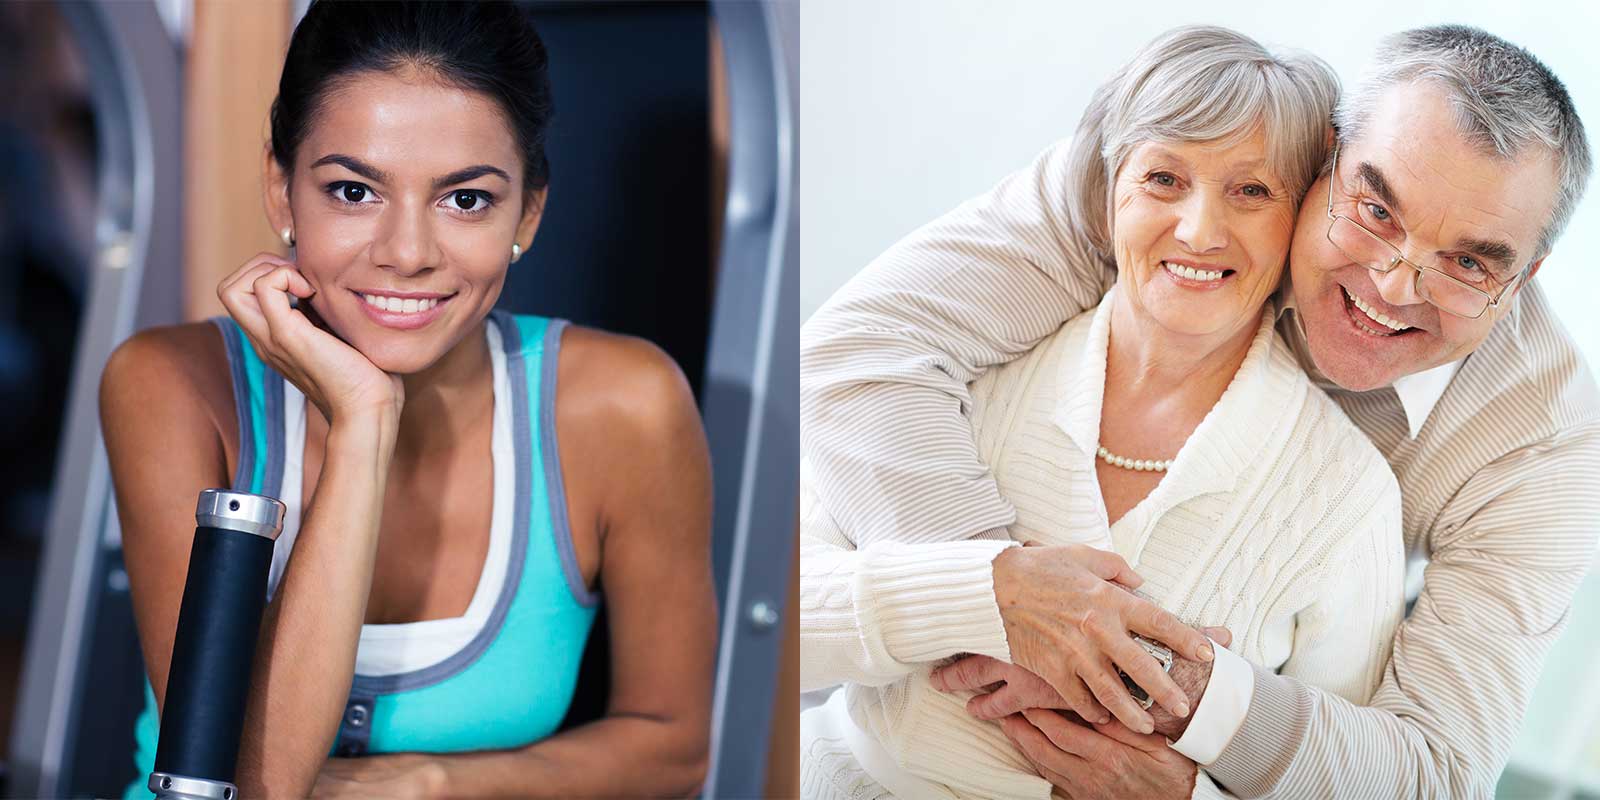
909	107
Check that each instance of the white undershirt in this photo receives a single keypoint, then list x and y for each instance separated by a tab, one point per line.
404	647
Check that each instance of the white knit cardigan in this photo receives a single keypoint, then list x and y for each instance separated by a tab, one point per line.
1278	519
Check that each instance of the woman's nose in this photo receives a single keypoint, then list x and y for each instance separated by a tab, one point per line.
405	239
1202	224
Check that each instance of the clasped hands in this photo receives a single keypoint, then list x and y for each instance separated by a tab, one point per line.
1068	611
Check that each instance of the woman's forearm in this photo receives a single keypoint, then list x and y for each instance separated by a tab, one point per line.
306	653
617	756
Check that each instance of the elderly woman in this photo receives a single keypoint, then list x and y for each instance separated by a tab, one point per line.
1168	426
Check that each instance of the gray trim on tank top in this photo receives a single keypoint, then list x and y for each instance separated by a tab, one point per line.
516	372
231	339
272	479
555	484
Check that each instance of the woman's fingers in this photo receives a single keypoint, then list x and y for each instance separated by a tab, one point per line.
1107	565
1101	678
1220	635
1146	672
237	293
1154	622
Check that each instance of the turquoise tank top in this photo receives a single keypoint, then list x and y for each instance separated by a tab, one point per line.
512	683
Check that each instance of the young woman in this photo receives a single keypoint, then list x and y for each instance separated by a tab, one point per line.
463	485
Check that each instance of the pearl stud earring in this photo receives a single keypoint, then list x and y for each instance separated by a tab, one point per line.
516	251
287	234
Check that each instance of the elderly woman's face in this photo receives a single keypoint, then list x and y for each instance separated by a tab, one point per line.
1201	233
406	186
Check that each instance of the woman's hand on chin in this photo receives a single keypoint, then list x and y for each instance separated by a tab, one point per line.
1068	613
339	379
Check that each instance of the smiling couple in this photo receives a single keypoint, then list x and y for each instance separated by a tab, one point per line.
1225	365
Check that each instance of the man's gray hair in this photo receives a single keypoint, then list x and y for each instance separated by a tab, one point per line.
1199	84
1505	101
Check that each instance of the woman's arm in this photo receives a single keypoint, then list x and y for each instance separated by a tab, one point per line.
160	460
311	628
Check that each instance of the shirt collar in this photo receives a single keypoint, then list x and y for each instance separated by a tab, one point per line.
1419	392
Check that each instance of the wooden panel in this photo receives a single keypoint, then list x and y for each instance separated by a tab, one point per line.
235	56
783	755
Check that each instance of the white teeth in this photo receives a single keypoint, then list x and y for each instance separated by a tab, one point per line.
1191	273
395	304
1376	316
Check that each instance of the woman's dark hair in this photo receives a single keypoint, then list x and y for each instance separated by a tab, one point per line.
488	47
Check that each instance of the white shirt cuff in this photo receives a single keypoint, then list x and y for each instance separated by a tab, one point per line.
1222	707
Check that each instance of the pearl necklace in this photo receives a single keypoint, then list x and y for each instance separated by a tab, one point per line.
1138	465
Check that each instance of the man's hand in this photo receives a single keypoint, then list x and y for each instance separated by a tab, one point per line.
1017	688
1106	762
1192	677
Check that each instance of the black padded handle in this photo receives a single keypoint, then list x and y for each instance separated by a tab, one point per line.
202	716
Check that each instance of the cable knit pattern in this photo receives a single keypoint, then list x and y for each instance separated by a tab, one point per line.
1277	519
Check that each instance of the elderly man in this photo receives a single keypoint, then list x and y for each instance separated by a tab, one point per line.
1409	299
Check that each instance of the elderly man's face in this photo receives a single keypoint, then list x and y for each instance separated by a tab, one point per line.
1446	200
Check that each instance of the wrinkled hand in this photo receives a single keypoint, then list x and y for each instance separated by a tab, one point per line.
296	342
1068	613
1103	762
1006	689
1010	688
399	776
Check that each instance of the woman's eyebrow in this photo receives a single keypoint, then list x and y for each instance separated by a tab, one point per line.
372	173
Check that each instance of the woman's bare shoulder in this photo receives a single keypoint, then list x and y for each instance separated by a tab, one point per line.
610	379
186	362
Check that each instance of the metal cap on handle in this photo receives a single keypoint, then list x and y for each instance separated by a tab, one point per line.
178	787
240	511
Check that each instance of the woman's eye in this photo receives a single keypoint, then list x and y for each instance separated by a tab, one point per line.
471	201
1255	190
349	192
1164	179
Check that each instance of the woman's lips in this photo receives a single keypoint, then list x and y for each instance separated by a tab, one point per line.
400	320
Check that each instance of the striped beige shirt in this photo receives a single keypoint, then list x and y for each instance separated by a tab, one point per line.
1501	486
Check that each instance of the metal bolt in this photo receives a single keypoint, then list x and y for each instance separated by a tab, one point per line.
117	252
763	616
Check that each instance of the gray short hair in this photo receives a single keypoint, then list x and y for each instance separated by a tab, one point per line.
1199	84
1505	100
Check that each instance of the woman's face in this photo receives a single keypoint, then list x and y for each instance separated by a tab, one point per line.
405	185
1200	233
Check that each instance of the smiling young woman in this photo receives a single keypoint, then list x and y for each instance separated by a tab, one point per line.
464	485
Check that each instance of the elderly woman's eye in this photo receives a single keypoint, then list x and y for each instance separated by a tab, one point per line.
1255	190
1164	179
